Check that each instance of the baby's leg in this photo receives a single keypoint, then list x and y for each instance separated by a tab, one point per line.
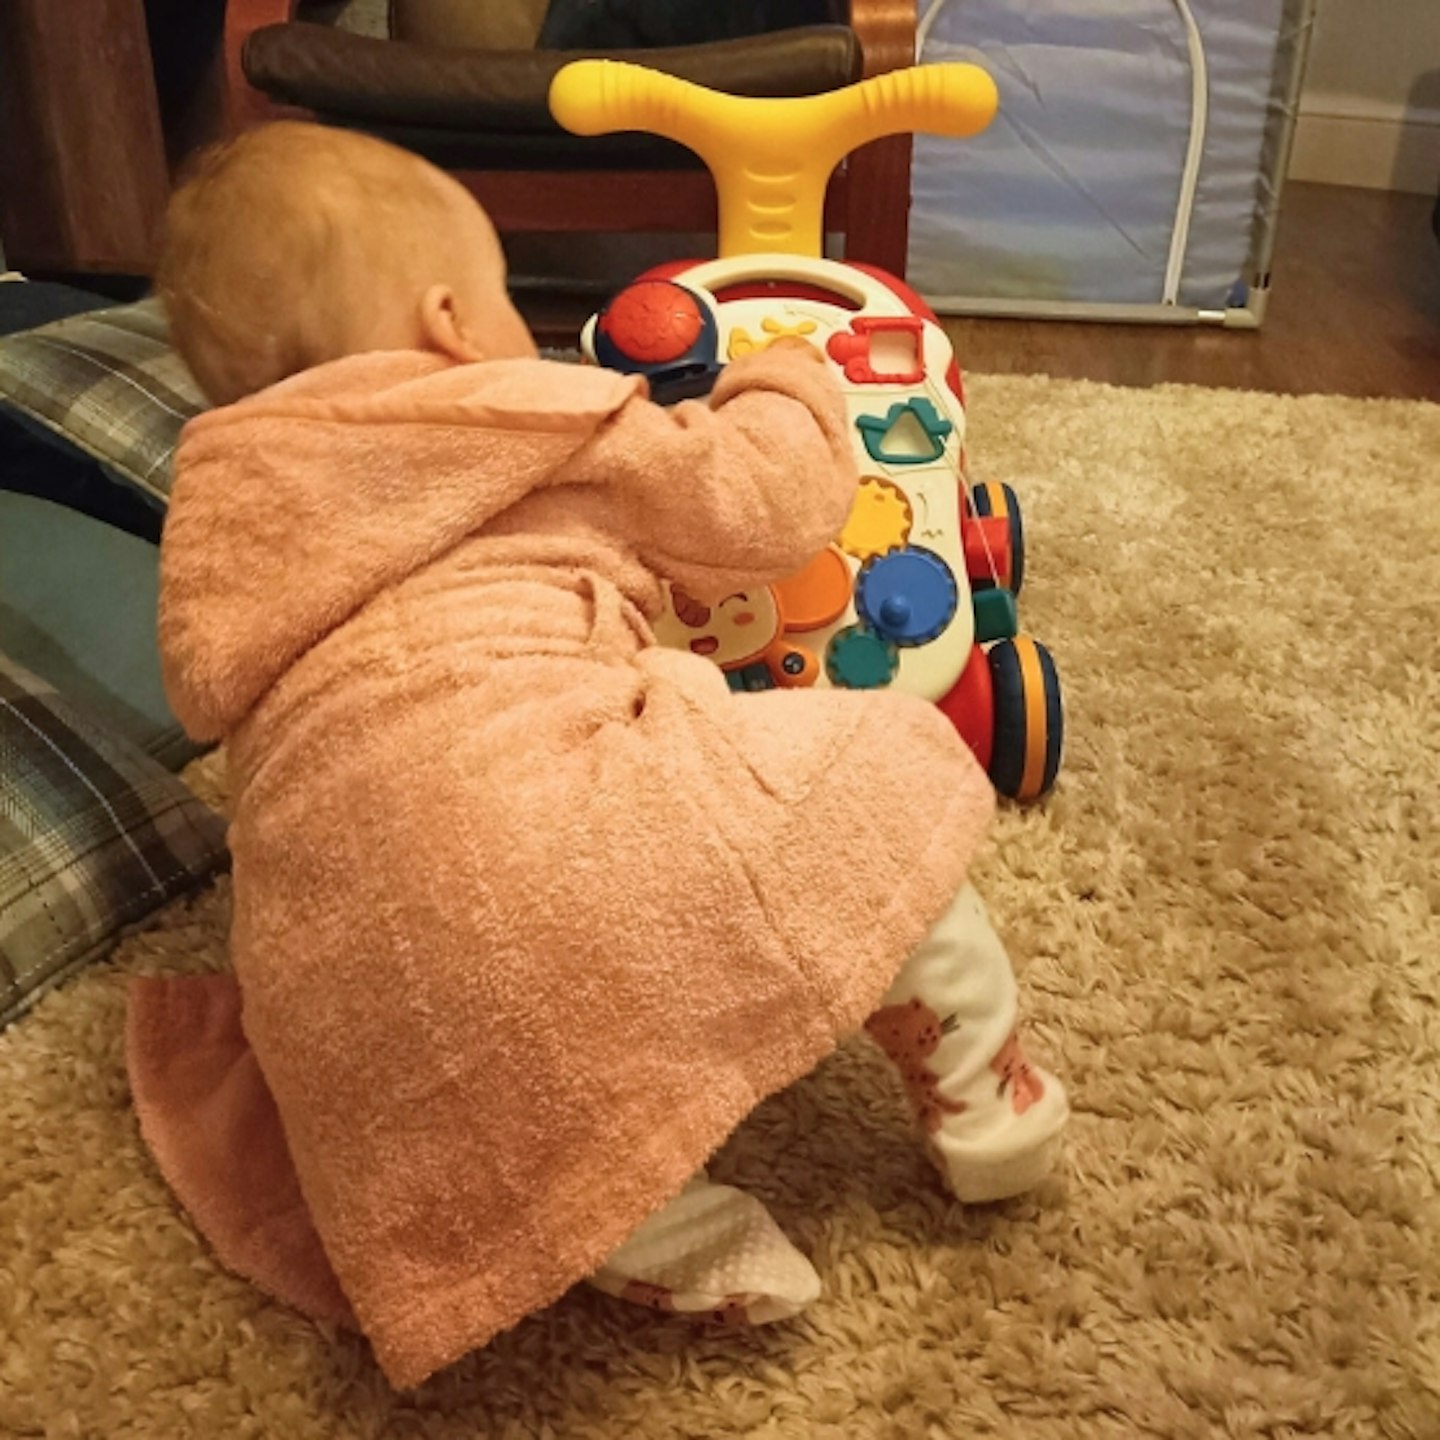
712	1253
992	1120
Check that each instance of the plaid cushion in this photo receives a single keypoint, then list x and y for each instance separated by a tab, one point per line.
109	383
94	836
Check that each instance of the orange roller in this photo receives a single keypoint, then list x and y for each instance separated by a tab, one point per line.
818	595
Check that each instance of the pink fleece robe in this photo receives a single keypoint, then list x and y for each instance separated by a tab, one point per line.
528	913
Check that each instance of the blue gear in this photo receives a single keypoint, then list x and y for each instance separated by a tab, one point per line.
908	596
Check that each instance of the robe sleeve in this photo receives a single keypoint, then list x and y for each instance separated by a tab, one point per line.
740	491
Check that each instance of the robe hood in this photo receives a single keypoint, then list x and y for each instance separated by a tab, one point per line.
296	506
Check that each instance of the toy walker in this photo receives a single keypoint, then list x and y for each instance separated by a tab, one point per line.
918	590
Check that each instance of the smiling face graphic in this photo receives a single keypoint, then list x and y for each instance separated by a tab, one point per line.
735	632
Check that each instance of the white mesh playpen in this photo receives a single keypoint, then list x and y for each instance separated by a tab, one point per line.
1134	170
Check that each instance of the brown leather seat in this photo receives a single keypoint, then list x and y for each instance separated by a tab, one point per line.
482	113
489	109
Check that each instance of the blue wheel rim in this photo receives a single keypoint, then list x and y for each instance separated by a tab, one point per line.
1054	718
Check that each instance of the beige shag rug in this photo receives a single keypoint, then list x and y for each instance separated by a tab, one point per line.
1226	924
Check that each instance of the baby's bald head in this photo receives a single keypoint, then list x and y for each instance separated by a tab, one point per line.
296	244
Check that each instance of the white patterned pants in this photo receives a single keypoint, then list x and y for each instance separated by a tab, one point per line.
991	1122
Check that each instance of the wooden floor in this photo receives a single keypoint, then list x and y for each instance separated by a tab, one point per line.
1354	310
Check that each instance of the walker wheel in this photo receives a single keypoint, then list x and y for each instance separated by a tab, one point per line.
992	498
1029	718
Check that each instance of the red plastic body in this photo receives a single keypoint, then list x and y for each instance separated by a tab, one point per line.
986	541
970	707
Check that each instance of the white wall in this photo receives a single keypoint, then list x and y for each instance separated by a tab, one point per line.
1370	112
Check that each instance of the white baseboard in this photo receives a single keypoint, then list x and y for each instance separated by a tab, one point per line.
1379	147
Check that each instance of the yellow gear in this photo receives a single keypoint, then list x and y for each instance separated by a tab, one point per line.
879	520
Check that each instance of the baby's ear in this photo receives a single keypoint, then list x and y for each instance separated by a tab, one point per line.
444	330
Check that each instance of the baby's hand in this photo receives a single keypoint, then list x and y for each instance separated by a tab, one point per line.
794	345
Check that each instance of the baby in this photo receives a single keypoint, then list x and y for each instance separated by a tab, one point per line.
529	913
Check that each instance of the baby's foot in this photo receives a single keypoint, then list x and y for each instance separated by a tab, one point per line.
1009	1137
713	1253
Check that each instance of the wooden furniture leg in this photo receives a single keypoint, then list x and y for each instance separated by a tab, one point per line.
877	190
83	179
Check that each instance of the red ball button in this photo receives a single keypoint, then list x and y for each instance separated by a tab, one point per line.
653	321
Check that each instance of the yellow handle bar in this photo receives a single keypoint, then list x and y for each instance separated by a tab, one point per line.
771	159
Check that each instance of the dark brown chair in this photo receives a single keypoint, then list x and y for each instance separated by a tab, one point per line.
482	115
